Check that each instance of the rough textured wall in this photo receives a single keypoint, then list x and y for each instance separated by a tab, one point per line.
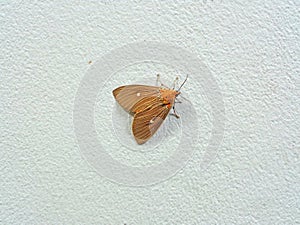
251	50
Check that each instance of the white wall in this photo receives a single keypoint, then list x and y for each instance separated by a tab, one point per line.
252	51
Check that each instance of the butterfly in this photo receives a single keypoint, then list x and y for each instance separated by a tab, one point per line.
149	106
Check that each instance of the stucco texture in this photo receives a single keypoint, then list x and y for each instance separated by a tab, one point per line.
251	49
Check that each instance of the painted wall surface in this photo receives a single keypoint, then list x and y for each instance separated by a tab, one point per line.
251	50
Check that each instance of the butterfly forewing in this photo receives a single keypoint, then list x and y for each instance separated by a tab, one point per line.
127	96
145	103
150	114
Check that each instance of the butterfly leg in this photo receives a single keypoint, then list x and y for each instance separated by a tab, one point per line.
174	113
175	82
159	81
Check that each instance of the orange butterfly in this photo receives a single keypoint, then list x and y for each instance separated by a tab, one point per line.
149	106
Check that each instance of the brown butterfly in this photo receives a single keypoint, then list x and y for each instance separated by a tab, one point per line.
149	106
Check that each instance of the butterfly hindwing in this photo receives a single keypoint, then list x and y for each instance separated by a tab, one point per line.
150	114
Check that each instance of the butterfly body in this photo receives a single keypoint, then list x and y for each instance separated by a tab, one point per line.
149	106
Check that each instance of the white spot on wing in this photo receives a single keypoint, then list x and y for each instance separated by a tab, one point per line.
138	94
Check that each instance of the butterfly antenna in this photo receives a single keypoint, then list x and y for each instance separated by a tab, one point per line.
183	82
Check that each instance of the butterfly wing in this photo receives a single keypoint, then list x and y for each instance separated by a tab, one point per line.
129	95
150	114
